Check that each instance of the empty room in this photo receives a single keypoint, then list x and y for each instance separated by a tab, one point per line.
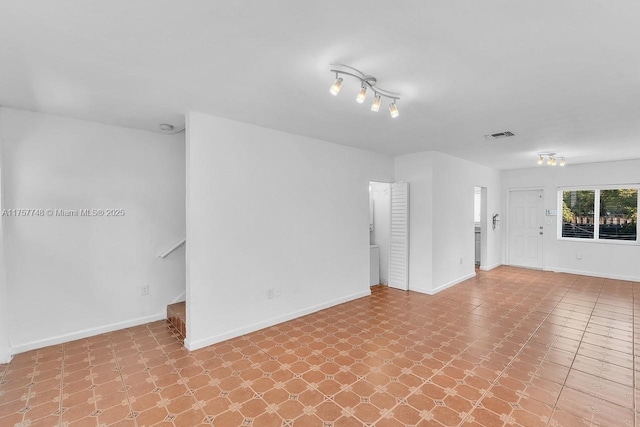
333	214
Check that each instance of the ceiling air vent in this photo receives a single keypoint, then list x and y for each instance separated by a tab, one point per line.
506	134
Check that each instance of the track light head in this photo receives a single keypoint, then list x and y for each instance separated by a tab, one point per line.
336	86
361	95
540	159
563	161
376	103
393	110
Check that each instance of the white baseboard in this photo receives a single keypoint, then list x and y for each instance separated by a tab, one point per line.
453	282
443	287
195	345
5	357
490	267
84	333
593	274
420	290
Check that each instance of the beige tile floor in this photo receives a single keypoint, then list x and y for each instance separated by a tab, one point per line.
510	347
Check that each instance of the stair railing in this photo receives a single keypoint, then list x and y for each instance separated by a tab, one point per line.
178	245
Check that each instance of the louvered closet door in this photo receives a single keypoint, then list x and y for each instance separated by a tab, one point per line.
399	251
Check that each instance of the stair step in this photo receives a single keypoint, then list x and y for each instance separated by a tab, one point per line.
177	316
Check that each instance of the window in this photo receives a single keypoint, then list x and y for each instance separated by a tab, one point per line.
578	209
600	214
619	214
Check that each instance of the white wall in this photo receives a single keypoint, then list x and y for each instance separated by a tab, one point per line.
441	191
5	348
267	209
417	170
381	234
598	259
69	277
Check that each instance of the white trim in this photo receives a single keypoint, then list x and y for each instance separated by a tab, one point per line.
180	298
452	283
195	345
446	285
84	333
6	357
490	267
420	290
593	274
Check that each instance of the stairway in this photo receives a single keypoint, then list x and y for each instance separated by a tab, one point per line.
177	316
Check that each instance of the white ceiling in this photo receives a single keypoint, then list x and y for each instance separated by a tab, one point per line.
563	75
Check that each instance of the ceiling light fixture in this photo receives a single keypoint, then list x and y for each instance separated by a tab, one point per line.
366	82
393	110
361	95
377	101
552	159
336	86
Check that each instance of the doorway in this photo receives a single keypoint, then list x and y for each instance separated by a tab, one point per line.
525	228
479	214
389	234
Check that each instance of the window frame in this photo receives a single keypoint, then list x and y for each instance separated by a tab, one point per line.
596	214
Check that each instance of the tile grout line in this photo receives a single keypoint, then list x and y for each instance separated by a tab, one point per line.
122	380
476	405
425	381
508	365
525	318
61	394
331	396
177	371
576	353
493	383
633	350
430	377
28	392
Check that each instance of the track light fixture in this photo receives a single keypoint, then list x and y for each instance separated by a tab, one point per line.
366	82
552	159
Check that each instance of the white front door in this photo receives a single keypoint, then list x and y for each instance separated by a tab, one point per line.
525	228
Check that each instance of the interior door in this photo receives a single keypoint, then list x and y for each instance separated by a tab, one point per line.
525	228
399	241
